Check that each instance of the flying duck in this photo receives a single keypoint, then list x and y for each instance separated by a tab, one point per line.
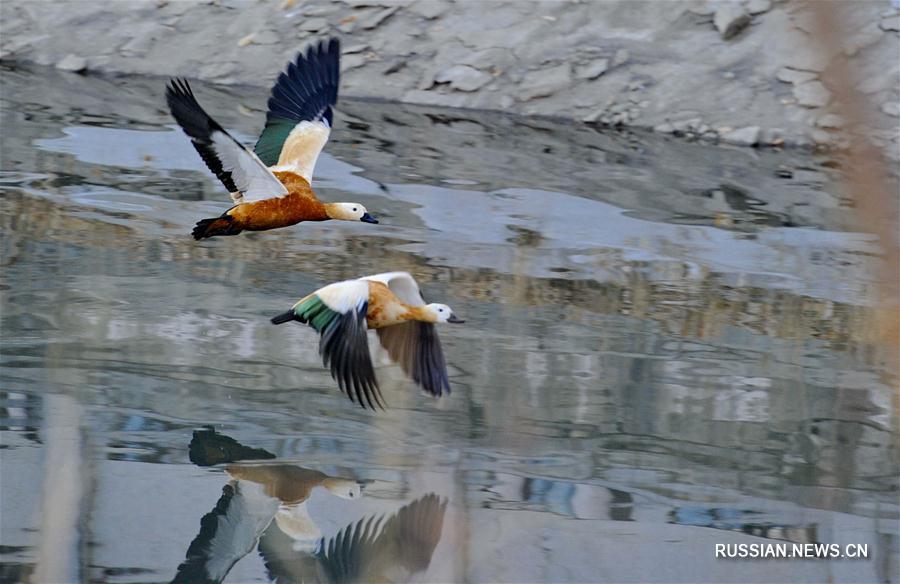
391	304
270	186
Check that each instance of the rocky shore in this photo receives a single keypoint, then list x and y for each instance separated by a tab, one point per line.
744	73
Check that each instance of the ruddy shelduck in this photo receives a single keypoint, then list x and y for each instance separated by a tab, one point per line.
390	303
270	186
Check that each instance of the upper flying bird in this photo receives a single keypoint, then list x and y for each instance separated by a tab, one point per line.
270	186
390	303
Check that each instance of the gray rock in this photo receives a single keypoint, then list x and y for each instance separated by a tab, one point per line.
352	61
593	116
394	66
822	137
463	78
664	128
347	25
748	136
877	83
703	8
485	59
830	121
434	98
313	24
771	136
316	10
620	58
373	20
429	9
788	75
891	108
266	37
351	49
72	63
730	18
545	82
808	58
593	70
812	94
684	126
366	3
217	70
759	6
863	38
892	23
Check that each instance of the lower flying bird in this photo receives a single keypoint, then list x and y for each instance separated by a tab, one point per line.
270	186
391	304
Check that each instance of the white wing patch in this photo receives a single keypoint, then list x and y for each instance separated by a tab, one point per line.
302	147
252	178
342	297
402	285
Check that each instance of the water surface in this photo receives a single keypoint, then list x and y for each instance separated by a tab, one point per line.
667	347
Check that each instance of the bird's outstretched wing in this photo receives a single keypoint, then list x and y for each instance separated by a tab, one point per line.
227	533
338	313
300	114
405	542
415	346
239	169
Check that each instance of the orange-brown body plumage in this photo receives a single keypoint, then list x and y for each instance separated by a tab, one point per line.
385	309
300	204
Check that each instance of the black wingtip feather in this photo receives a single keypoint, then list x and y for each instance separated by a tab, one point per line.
199	126
345	351
286	317
430	370
308	89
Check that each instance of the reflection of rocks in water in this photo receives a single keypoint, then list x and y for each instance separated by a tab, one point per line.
22	413
742	521
733	207
524	237
691	306
586	501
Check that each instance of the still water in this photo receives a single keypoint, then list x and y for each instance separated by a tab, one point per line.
667	347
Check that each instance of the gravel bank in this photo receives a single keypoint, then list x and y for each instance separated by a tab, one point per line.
744	73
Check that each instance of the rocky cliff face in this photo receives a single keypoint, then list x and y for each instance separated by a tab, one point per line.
745	73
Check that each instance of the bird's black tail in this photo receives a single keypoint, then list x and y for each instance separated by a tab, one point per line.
223	225
285	317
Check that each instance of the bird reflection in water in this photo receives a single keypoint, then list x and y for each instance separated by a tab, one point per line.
264	504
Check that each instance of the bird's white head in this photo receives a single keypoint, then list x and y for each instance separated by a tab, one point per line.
343	488
349	212
442	313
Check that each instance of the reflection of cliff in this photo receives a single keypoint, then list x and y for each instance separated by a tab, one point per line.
685	305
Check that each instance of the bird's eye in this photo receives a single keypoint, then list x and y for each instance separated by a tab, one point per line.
354	209
440	310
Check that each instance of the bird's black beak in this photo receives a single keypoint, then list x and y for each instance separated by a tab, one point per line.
455	319
366	218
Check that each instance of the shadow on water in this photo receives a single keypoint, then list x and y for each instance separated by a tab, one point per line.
667	347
